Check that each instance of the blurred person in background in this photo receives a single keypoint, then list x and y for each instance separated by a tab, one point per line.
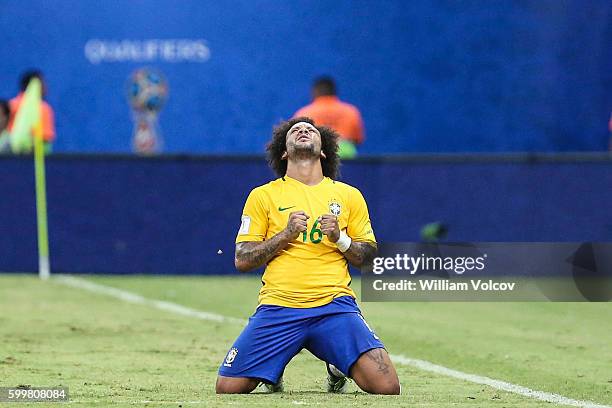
327	109
46	112
5	113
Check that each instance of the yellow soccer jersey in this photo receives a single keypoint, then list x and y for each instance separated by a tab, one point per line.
311	271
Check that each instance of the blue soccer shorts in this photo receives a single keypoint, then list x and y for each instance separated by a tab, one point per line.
335	333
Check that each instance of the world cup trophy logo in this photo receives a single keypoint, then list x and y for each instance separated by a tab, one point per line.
147	94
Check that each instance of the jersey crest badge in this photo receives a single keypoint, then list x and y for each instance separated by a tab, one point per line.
231	356
335	208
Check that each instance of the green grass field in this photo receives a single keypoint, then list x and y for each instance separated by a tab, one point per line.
114	353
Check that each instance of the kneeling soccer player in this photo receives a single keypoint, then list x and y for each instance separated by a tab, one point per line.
305	226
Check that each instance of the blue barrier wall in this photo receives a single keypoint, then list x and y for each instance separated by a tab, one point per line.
172	215
429	76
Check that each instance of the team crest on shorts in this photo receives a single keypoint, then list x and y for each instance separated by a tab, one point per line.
231	356
335	208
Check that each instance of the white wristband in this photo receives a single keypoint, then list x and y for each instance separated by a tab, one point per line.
344	242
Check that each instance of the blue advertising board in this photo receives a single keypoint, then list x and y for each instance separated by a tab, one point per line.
181	215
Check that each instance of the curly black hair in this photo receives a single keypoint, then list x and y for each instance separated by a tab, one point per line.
278	145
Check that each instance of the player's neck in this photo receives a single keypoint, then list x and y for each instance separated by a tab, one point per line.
305	171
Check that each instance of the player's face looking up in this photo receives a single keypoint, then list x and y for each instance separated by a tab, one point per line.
303	141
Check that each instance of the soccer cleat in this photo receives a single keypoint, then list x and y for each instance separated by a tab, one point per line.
271	388
337	382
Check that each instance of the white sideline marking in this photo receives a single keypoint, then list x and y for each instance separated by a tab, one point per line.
131	297
500	385
398	358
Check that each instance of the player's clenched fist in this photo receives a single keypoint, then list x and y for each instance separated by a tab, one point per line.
330	227
297	223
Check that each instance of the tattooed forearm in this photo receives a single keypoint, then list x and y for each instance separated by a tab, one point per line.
376	355
361	253
251	255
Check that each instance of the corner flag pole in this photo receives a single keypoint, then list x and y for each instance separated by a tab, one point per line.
28	119
41	204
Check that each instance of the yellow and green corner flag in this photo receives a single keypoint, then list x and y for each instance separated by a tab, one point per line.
28	126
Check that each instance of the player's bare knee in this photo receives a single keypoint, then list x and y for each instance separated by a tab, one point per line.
234	385
221	387
389	387
229	388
